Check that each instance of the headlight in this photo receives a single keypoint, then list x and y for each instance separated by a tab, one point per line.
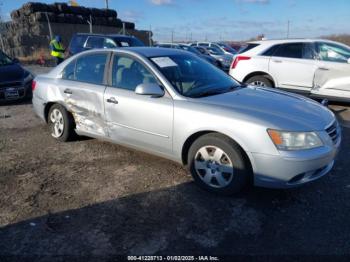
28	78
294	140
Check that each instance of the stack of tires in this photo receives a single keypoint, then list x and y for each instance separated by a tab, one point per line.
28	31
63	13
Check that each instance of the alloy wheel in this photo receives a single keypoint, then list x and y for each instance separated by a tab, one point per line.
57	121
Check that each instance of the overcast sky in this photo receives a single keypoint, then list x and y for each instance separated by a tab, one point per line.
225	19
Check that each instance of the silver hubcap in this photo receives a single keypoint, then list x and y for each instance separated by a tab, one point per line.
56	119
213	166
258	83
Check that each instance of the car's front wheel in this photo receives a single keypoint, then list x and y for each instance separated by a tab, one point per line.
259	81
217	164
61	123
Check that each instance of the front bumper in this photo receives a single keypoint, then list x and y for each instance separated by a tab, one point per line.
295	169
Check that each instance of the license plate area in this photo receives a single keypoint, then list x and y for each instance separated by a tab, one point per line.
11	93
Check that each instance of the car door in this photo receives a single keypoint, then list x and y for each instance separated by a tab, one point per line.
138	120
293	65
82	87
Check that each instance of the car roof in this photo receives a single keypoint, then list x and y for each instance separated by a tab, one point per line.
105	35
289	40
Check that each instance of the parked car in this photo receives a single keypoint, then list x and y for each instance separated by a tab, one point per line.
83	41
191	49
171	103
225	48
15	81
294	64
225	59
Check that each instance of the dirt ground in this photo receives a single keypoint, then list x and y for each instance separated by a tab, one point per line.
92	198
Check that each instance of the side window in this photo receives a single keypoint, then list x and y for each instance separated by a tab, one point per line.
129	73
94	42
109	43
203	44
90	68
294	50
270	51
68	71
309	51
333	53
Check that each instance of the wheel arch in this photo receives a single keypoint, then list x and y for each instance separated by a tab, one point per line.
190	140
260	73
49	105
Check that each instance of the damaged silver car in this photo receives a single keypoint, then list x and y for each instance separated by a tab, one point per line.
173	104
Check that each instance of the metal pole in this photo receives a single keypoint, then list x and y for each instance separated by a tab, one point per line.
90	24
2	43
123	28
106	4
288	24
149	36
172	36
49	25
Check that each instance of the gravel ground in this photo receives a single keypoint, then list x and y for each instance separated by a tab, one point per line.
91	198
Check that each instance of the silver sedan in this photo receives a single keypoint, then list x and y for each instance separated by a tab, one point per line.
170	103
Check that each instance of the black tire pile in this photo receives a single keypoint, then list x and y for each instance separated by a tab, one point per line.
62	13
28	30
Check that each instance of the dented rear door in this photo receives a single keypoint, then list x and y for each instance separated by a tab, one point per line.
83	93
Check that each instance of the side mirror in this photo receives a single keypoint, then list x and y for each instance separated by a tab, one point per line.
15	60
150	89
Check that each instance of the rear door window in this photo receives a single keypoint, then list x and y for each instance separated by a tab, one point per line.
91	68
292	50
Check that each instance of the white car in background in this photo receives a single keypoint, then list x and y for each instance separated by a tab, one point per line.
318	67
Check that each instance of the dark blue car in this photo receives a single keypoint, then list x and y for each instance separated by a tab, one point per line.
82	42
15	81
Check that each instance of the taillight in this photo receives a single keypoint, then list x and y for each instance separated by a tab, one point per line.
33	85
237	59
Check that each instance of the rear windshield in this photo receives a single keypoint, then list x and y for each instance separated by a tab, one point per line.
247	47
127	41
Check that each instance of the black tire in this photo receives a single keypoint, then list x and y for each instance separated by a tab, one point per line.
241	167
68	133
266	82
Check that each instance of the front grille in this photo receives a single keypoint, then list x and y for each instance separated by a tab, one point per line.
333	131
10	84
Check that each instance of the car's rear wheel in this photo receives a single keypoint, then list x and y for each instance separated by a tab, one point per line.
259	81
61	123
217	164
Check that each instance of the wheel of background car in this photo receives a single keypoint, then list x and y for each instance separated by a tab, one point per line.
217	164
61	123
259	81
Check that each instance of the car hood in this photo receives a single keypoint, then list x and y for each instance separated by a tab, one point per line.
11	73
274	109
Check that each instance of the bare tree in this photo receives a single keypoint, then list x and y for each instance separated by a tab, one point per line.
2	28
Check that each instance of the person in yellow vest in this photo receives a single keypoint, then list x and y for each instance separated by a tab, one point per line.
57	49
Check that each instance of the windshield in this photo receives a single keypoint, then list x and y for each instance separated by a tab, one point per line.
215	51
190	49
4	59
227	48
192	77
128	41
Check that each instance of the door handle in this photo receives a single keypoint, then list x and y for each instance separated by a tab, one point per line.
323	68
112	100
68	91
277	61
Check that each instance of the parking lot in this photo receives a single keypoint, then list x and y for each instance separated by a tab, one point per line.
90	197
